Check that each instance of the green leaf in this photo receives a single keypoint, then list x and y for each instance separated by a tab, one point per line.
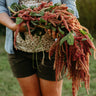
37	14
83	32
42	13
17	7
44	9
49	24
19	20
23	7
62	26
13	6
70	10
84	39
63	39
61	31
74	34
70	39
42	20
90	36
51	6
32	13
32	7
59	35
53	11
34	23
53	28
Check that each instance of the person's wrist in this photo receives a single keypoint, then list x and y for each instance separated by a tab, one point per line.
13	27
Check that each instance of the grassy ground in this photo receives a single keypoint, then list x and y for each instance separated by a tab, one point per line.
10	87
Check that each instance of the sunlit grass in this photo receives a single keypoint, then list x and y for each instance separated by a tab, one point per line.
10	87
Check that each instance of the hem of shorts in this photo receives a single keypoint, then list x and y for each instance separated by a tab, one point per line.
23	76
49	79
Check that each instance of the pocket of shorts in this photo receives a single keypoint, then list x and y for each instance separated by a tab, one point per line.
11	56
14	59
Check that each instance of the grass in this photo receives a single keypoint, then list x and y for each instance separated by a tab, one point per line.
10	87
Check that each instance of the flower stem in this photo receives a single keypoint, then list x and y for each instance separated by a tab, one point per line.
11	10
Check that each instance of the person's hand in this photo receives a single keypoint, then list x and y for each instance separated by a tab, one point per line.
8	22
15	26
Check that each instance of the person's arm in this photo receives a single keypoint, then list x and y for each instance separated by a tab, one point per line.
5	19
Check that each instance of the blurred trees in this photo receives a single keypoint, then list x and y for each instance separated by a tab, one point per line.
87	13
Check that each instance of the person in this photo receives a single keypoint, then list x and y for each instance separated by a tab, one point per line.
33	80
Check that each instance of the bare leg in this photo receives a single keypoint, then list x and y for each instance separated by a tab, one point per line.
51	88
30	85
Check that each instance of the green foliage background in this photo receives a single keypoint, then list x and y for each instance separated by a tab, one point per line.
87	13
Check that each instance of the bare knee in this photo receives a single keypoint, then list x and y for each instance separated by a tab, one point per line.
51	88
31	93
30	85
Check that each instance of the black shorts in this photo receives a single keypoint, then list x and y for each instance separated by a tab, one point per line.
26	64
